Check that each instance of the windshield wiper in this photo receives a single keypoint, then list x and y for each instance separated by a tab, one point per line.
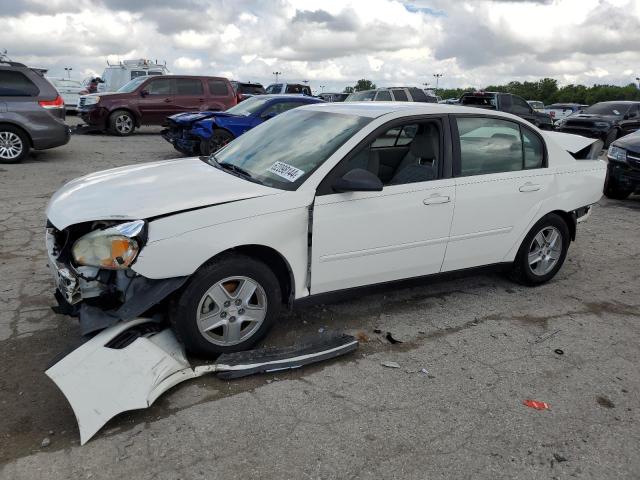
232	168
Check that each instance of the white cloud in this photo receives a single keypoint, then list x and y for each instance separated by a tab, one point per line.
186	63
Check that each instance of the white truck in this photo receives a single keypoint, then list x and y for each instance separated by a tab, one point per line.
115	76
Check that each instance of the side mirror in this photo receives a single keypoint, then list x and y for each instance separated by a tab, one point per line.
144	93
357	180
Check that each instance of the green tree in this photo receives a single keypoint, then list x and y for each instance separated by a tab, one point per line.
348	90
364	84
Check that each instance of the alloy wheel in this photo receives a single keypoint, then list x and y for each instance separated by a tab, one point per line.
545	250
124	124
232	310
10	146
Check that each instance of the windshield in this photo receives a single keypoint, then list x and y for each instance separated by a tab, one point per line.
607	108
249	106
284	151
66	83
361	96
132	85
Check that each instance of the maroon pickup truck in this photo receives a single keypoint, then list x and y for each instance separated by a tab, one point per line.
149	100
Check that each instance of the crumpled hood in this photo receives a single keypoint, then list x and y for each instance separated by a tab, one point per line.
148	190
189	118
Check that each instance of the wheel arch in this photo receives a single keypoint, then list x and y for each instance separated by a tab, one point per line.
19	127
569	218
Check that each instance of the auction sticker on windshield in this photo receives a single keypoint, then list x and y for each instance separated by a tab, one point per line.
285	171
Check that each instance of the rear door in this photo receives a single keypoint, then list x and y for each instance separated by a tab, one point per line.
155	101
189	95
220	94
501	181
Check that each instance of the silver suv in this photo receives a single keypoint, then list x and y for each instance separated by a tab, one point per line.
31	113
392	94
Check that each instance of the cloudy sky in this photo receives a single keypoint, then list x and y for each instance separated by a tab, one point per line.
335	42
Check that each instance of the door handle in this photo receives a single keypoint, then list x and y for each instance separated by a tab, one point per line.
530	187
436	198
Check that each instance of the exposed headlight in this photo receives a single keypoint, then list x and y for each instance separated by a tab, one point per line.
617	153
113	248
91	100
602	124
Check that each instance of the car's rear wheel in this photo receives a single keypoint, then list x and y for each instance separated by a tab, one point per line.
227	306
14	145
542	252
122	123
218	140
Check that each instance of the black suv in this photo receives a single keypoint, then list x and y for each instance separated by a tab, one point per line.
507	102
623	170
31	113
604	120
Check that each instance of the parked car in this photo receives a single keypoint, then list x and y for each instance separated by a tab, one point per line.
201	133
69	90
606	121
333	97
623	175
321	198
246	90
392	94
507	102
116	76
536	105
31	113
560	111
150	100
282	88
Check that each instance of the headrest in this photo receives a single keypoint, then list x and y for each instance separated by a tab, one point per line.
424	144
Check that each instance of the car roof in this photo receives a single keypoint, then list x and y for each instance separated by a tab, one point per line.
296	96
378	109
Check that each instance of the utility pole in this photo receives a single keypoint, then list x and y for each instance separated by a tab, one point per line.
68	70
277	74
437	75
638	80
322	88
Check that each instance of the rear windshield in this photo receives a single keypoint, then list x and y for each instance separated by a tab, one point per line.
488	100
16	84
607	108
361	96
251	89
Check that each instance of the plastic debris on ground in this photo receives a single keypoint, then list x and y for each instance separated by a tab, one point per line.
390	364
536	404
129	365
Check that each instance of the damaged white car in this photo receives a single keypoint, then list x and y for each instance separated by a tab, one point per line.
321	198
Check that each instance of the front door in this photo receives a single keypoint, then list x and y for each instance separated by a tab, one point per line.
362	238
155	101
632	121
501	182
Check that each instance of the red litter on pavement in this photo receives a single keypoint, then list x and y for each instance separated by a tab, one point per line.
536	404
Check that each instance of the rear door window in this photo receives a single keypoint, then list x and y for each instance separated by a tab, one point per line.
418	95
400	95
189	86
16	84
218	87
519	106
383	96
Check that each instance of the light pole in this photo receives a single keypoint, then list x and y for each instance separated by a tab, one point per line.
638	80
322	88
68	70
277	74
437	75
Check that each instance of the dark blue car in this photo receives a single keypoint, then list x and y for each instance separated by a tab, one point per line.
201	133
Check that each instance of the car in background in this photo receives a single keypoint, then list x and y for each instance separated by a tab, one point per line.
69	91
319	199
150	100
392	94
246	90
560	111
507	102
201	133
32	113
333	97
450	101
623	169
606	121
536	105
116	76
282	88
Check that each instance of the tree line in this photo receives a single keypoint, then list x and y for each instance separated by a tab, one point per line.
545	90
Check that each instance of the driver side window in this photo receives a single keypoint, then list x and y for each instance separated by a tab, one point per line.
403	154
160	86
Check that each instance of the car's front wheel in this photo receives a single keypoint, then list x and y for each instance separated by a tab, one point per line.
227	306
14	145
122	123
542	252
218	140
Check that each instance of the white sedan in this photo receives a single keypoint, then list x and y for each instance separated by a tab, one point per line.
322	198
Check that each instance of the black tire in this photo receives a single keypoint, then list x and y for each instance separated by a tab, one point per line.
185	308
14	144
521	271
122	123
218	140
611	137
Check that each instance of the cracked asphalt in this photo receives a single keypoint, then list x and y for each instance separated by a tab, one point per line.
473	348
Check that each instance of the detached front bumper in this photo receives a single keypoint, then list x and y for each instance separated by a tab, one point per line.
626	174
182	140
